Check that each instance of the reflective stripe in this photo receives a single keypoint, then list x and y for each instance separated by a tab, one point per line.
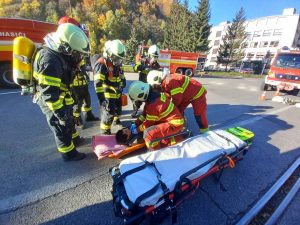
114	79
186	83
176	91
168	111
182	88
99	76
153	144
69	101
109	87
99	90
55	105
76	114
199	93
111	95
75	134
66	149
151	117
104	126
86	109
141	128
47	80
141	118
177	122
204	130
63	87
173	141
163	97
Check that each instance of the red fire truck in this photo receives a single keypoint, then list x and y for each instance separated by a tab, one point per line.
284	73
11	28
187	63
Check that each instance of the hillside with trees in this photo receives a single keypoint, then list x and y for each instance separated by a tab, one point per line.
149	21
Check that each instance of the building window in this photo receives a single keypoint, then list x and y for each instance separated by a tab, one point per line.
260	55
253	44
267	33
263	44
277	32
218	34
217	42
274	43
215	51
249	35
257	33
213	59
250	55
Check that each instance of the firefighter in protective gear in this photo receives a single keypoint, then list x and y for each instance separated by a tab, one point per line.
160	117
52	70
143	66
109	82
183	90
81	96
79	86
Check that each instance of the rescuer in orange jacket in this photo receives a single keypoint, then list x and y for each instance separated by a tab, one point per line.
160	117
183	91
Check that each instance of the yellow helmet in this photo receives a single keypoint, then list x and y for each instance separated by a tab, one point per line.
72	38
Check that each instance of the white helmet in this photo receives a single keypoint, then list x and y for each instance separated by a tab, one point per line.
153	51
138	91
155	77
114	48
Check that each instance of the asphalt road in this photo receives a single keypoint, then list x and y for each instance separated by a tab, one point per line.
37	187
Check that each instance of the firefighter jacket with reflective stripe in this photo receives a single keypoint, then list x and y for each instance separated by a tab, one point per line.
81	77
182	89
143	66
109	80
159	109
53	76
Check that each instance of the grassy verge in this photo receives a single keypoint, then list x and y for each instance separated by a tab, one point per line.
228	74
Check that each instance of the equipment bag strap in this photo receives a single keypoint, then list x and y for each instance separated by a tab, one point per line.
227	139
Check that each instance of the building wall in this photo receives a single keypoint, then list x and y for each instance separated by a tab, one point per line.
264	34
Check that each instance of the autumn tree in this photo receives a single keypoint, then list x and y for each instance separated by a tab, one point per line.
234	42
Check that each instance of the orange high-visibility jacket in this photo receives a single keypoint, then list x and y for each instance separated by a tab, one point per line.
182	89
159	110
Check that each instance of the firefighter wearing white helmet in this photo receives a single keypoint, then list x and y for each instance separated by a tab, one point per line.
160	118
109	82
52	70
145	63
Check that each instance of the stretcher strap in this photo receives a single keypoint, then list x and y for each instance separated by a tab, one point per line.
227	139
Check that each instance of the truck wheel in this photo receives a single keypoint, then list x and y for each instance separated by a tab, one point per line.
189	73
180	71
264	86
6	76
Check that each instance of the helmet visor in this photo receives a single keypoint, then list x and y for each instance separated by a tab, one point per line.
116	60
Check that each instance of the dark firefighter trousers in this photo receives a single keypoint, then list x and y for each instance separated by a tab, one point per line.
62	134
82	99
110	108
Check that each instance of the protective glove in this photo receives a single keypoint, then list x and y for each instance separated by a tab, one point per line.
133	129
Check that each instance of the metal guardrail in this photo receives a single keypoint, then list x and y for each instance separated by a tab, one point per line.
248	217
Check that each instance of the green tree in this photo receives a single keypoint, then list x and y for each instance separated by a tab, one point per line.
131	46
200	27
177	30
234	42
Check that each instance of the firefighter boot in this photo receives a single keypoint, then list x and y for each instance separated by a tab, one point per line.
78	141
73	155
89	116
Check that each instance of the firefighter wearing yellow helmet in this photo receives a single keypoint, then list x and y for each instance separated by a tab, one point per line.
144	64
52	70
109	82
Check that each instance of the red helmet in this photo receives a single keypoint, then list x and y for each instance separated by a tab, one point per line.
66	19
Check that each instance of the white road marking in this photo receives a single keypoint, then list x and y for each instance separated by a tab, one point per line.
15	202
8	93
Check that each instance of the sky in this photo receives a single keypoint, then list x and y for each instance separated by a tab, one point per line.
225	10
